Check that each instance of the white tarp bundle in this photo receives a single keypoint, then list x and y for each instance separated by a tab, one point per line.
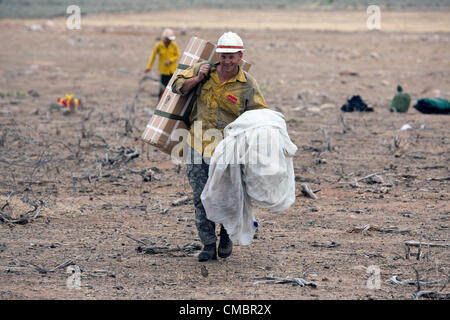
252	165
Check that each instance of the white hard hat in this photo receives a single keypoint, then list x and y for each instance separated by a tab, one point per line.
229	42
169	34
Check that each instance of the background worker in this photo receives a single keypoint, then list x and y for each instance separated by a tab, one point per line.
227	92
168	52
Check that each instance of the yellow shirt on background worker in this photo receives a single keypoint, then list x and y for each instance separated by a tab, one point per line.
171	52
219	104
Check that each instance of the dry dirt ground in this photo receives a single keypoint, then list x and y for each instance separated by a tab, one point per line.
98	203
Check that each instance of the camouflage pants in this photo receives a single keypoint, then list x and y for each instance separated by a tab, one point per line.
198	175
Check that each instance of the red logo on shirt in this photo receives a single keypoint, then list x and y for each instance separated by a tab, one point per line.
232	98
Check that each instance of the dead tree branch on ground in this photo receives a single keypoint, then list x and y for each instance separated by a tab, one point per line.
295	281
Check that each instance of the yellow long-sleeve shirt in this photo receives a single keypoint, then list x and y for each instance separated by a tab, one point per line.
218	104
171	52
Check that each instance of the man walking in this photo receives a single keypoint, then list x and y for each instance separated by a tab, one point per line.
168	52
227	92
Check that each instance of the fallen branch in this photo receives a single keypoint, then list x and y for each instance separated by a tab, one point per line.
344	125
130	156
396	142
3	138
419	244
330	244
363	229
99	175
369	227
109	206
439	179
412	282
146	174
431	295
327	139
295	281
306	190
124	155
181	201
311	148
367	255
23	218
137	240
370	176
415	156
431	167
44	271
186	249
394	230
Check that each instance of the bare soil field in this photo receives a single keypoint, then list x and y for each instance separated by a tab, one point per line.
100	201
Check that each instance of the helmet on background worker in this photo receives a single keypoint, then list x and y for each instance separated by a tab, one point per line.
168	34
229	42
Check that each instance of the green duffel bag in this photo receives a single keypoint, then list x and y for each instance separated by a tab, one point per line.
433	106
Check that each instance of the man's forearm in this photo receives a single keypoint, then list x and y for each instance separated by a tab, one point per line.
190	83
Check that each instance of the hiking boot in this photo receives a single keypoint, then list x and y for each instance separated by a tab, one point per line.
208	253
225	244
